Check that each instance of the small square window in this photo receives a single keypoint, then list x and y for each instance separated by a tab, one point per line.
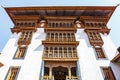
99	53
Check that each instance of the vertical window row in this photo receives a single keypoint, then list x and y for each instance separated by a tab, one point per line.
12	73
97	42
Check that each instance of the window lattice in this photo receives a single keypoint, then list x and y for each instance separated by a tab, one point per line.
60	36
58	24
94	38
107	73
99	53
25	37
20	52
12	73
60	52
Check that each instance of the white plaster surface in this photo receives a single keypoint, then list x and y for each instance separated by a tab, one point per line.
89	65
31	64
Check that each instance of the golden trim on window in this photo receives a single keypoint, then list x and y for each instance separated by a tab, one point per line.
12	73
20	52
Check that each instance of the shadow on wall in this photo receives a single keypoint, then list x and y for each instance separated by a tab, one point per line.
41	36
82	35
39	48
15	36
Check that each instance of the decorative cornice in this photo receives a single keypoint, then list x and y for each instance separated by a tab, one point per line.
11	10
116	58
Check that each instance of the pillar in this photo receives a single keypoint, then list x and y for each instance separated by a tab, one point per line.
50	72
69	72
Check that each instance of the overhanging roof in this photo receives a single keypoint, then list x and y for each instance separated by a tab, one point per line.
61	11
116	58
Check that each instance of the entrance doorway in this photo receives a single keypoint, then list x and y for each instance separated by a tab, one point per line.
60	73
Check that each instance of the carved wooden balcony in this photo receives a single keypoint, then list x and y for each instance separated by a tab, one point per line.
61	41
60	56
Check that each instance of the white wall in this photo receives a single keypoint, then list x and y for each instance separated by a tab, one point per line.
31	64
89	64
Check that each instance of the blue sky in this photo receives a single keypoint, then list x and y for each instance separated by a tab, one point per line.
6	23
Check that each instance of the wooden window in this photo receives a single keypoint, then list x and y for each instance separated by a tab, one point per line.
99	53
99	24
94	37
12	73
74	71
50	25
71	24
60	24
21	24
70	52
46	71
48	37
108	75
25	36
68	37
56	36
95	24
18	24
53	24
68	25
65	52
73	37
87	24
60	52
20	53
56	52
